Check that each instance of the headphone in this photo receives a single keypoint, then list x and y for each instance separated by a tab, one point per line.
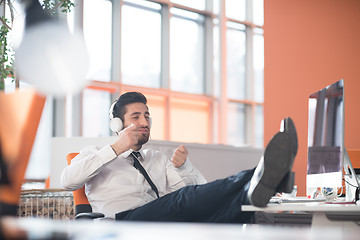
116	123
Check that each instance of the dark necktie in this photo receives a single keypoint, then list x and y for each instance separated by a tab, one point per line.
138	166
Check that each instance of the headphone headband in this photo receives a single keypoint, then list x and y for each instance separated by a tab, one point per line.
111	110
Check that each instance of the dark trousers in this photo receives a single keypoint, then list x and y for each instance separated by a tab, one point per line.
219	202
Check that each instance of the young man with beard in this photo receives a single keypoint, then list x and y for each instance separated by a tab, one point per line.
174	190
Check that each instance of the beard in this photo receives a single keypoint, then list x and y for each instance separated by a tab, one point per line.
143	138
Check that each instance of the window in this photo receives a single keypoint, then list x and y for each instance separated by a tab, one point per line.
140	45
200	64
236	61
236	9
186	53
196	123
236	123
258	64
97	32
198	4
94	113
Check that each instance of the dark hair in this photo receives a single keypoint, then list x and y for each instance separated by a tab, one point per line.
125	99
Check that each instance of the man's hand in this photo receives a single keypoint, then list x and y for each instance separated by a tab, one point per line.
179	156
127	138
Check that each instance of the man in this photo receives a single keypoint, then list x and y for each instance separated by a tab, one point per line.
174	190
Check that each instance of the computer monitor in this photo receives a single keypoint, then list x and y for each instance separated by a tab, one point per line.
327	156
326	137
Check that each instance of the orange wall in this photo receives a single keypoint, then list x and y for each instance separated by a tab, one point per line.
308	45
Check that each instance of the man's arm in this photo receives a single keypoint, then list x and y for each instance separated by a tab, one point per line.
85	166
91	160
186	170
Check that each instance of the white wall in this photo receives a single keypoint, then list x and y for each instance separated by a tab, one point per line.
214	161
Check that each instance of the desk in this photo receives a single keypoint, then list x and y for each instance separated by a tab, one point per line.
109	230
324	214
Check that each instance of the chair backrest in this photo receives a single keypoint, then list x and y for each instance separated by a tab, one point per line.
81	202
20	114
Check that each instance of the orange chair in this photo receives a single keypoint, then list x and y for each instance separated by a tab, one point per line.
83	208
20	114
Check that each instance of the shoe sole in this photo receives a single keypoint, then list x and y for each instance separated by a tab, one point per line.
287	184
289	127
277	162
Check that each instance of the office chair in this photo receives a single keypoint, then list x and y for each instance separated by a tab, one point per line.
20	113
83	208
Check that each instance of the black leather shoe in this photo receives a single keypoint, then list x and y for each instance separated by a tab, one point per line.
287	184
288	126
272	168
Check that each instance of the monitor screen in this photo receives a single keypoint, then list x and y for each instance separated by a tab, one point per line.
326	137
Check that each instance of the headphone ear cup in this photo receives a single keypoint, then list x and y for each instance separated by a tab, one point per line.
116	125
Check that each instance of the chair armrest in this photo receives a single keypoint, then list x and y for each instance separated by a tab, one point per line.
89	215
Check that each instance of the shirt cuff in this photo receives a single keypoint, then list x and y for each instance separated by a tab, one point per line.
106	154
186	168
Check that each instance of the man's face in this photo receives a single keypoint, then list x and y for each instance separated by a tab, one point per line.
138	114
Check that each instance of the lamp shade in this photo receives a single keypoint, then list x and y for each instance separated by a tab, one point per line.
51	58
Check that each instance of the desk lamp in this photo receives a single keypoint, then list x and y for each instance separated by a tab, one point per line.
51	58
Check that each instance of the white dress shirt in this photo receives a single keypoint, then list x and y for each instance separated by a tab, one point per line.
113	185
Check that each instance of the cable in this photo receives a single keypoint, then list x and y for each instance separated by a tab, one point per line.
357	191
349	183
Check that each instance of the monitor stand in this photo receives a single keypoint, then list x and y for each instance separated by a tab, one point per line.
351	182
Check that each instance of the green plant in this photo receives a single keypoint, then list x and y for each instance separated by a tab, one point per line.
6	58
7	67
51	6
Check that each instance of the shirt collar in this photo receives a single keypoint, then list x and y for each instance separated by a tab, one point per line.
128	152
